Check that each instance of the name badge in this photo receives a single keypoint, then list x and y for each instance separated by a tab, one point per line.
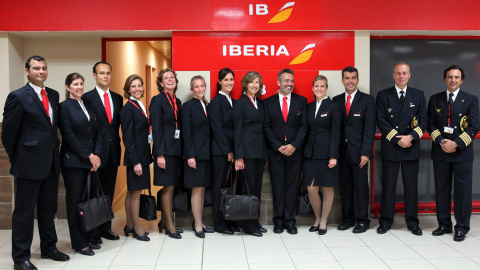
177	134
356	114
323	114
412	105
448	130
150	139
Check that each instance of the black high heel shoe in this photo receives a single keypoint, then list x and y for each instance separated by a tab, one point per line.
199	234
313	228
143	237
129	230
163	227
160	224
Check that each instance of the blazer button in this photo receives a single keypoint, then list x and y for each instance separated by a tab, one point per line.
90	140
455	126
396	127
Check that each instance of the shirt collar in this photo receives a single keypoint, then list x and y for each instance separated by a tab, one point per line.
398	89
222	93
37	89
454	93
101	92
280	96
352	95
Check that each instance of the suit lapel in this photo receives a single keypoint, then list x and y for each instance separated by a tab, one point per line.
35	97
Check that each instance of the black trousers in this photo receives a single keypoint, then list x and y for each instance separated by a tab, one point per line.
108	178
354	190
75	181
220	166
30	193
390	171
284	176
254	173
462	196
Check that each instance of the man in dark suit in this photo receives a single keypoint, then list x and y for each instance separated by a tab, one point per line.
402	118
29	135
453	124
356	149
107	106
285	129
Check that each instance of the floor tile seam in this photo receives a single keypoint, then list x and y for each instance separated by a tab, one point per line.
427	260
288	252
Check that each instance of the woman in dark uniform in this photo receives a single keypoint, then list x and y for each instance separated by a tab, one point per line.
321	152
220	114
250	147
196	151
137	158
81	146
167	146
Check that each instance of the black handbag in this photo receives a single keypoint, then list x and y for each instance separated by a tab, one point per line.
240	207
226	190
304	206
181	200
148	210
96	211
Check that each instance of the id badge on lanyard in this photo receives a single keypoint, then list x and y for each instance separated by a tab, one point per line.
177	134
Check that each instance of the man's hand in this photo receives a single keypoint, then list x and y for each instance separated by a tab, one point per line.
287	150
449	146
363	161
405	140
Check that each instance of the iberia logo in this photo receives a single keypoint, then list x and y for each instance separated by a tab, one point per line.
283	14
304	55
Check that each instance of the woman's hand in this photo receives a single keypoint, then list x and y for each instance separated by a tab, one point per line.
332	163
192	163
138	169
161	162
239	164
230	157
95	161
266	163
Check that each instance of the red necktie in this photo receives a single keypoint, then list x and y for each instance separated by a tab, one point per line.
347	106
106	101
45	103
285	109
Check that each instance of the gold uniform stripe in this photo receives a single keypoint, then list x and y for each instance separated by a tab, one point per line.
435	134
391	134
419	131
465	138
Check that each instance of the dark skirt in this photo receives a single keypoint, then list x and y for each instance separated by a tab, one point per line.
170	176
135	182
318	169
199	177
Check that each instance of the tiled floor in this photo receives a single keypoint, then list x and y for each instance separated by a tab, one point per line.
397	249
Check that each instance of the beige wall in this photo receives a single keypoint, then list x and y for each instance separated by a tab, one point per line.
126	58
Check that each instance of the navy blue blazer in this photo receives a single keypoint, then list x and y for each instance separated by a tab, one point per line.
248	129
135	130
295	128
109	131
162	118
29	138
220	114
358	129
196	131
80	136
465	105
393	119
323	140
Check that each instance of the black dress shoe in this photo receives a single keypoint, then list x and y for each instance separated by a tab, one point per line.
129	230
26	265
142	237
383	229
94	246
459	236
226	231
234	228
55	255
163	228
313	228
199	234
322	231
361	228
256	233
208	230
441	231
345	226
278	228
95	239
86	251
415	230
108	234
291	229
262	229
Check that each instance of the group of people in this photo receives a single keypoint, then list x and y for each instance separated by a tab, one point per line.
332	139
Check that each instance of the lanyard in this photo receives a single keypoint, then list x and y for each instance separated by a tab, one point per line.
449	114
251	99
148	119
175	108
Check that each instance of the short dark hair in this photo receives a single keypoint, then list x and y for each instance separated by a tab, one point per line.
349	69
159	79
69	80
34	57
99	63
250	77
453	67
222	73
285	70
128	83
